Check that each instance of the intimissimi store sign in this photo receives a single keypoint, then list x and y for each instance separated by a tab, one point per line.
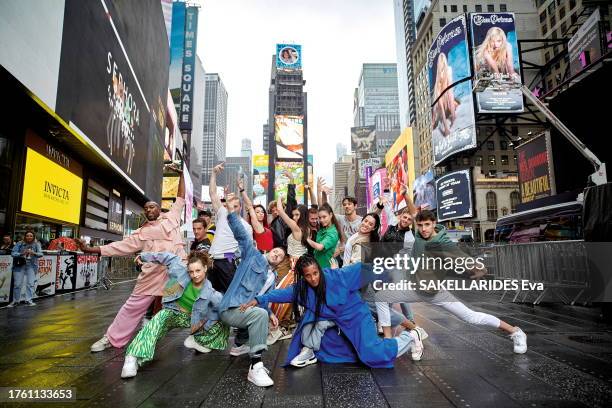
52	184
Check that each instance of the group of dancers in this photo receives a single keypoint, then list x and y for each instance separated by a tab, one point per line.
234	278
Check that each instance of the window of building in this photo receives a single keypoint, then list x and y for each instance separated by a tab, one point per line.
478	8
490	8
503	145
514	130
491	206
502	7
478	161
464	8
574	18
544	28
515	200
490	145
561	12
547	56
551	8
558	65
543	16
445	9
504	160
453	9
553	21
572	4
442	22
563	28
492	160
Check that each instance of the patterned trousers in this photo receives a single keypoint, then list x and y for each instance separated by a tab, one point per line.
143	345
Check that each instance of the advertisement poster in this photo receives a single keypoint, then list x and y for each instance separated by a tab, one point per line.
260	179
289	136
6	277
288	56
115	214
377	186
452	106
400	168
585	46
424	191
45	278
286	172
66	273
454	196
496	54
363	164
363	139
86	271
534	168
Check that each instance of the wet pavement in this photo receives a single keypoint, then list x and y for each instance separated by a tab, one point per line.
568	363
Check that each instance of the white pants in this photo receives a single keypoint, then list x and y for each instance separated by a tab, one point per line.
443	299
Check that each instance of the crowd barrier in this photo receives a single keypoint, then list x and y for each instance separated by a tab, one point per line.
63	272
562	267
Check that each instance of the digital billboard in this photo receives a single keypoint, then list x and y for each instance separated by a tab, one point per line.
496	55
452	107
260	179
424	191
289	136
377	184
399	162
363	139
454	196
535	168
288	56
585	45
284	173
112	90
374	163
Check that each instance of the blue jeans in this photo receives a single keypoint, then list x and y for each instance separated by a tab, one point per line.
18	274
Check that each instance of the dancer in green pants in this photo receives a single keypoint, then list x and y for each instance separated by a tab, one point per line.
189	302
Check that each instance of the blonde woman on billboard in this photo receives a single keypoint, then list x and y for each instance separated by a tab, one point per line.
445	109
495	54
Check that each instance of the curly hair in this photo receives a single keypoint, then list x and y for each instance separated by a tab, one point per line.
203	257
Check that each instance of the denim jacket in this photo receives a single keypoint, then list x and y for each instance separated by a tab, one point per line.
251	273
20	248
204	312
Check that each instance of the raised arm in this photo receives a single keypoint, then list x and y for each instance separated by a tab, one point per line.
409	203
295	229
257	226
312	194
176	269
320	184
245	240
212	187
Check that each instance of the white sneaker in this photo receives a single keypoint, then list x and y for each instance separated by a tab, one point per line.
417	347
101	345
190	342
239	350
130	367
306	357
422	332
258	375
273	337
285	334
30	303
12	304
519	338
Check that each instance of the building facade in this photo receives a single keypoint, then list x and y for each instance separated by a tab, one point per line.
238	167
215	125
376	94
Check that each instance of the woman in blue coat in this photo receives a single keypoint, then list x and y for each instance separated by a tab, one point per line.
331	299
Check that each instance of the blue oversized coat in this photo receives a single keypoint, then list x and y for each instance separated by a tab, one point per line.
355	338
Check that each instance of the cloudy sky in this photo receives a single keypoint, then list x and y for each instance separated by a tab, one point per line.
237	38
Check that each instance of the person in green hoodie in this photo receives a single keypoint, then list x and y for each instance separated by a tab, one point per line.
433	244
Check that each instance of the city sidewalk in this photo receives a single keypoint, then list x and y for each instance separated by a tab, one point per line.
568	363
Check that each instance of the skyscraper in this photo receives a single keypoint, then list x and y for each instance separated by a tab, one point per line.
235	168
377	93
215	125
405	34
340	150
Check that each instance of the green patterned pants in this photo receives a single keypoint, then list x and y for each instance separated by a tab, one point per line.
143	345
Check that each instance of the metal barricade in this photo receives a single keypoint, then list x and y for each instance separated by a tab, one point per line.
559	265
116	269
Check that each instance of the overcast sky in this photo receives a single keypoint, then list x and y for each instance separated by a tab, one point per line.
236	38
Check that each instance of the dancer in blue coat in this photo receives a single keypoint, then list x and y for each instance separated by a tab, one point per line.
331	299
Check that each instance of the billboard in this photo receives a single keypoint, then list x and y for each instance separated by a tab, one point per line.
496	53
87	271
112	90
50	189
188	69
363	139
424	191
288	56
65	279
452	106
289	136
261	179
283	173
535	168
454	196
6	275
585	46
377	186
399	162
363	164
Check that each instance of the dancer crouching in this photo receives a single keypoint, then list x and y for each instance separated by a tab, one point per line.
189	301
331	298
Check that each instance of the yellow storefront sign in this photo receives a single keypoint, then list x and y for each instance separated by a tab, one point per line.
50	190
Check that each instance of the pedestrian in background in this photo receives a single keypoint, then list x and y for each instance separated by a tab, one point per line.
25	264
7	243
